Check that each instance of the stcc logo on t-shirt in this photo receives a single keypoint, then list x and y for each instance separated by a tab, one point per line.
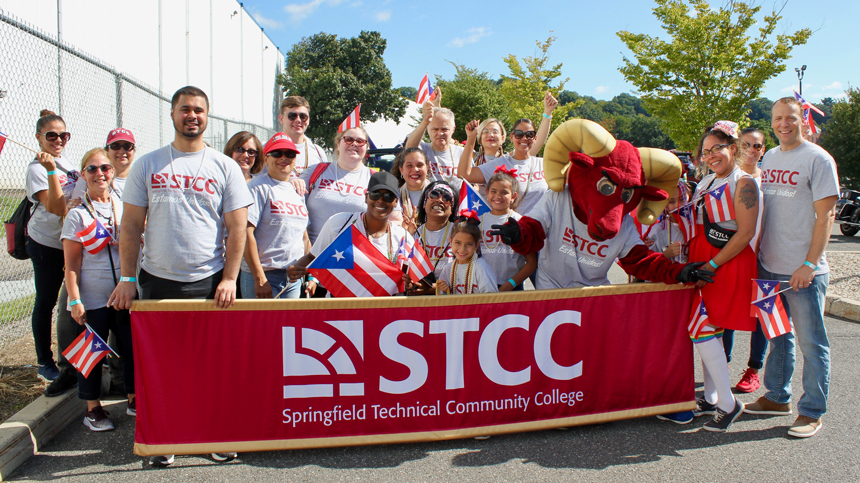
583	245
780	176
536	176
283	208
178	181
341	187
460	288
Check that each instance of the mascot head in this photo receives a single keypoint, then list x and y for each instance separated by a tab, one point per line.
606	178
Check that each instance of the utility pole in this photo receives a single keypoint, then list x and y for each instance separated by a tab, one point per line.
800	79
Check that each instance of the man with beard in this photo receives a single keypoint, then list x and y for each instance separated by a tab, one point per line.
194	201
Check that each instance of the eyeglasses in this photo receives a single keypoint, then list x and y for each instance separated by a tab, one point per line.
301	115
356	141
105	168
519	133
251	152
755	146
716	147
387	196
119	146
486	132
280	153
52	136
436	194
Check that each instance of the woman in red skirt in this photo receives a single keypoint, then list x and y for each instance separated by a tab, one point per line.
726	204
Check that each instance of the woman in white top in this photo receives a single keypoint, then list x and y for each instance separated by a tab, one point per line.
50	181
247	151
89	236
338	187
411	171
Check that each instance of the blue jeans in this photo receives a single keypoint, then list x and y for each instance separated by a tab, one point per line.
758	346
277	279
806	309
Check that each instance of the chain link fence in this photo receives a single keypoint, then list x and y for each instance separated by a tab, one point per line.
39	72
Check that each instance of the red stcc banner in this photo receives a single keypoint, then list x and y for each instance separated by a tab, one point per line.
287	374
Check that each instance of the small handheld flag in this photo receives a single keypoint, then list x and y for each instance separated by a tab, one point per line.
425	90
774	318
94	237
2	141
419	263
402	253
720	204
686	217
352	267
351	121
761	288
86	351
699	319
472	200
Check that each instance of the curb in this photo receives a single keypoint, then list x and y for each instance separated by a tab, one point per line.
22	435
842	307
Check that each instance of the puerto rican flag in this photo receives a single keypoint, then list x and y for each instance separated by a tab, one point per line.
419	263
761	288
720	205
774	319
351	121
352	267
2	141
86	351
94	237
807	116
699	327
686	216
472	200
425	90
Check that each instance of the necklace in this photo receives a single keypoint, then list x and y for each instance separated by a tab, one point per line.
467	288
109	218
482	231
528	177
387	232
438	170
408	207
435	260
172	172
305	146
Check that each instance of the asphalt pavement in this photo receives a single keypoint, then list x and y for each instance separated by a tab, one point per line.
842	243
756	448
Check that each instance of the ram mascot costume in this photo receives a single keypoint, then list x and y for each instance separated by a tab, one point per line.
583	224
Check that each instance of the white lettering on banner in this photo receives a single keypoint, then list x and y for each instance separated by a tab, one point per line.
392	349
306	359
454	330
488	351
558	397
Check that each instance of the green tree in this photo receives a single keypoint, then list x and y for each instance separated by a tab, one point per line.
472	95
642	131
336	74
711	68
842	138
408	92
759	109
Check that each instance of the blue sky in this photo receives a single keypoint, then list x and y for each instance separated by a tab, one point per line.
424	36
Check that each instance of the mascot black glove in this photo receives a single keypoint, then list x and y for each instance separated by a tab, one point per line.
690	274
510	232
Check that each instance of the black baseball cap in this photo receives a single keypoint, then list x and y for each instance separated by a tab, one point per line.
383	181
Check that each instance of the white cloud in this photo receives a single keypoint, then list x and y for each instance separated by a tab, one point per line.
266	22
835	86
601	89
383	16
475	34
300	11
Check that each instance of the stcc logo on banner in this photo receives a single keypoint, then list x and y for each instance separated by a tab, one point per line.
336	351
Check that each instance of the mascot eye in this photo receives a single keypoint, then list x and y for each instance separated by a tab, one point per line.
605	186
627	195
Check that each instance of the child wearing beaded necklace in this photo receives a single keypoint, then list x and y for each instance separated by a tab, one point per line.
509	267
466	273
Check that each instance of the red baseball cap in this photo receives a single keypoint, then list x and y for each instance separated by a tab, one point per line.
119	134
280	141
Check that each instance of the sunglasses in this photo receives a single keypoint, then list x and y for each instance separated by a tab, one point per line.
387	196
278	154
105	168
755	146
356	141
436	194
52	136
519	133
119	146
301	115
714	149
241	150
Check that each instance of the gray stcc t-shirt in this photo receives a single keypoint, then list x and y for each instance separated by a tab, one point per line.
791	181
45	227
185	230
280	219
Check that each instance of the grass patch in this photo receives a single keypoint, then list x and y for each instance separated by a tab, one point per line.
17	309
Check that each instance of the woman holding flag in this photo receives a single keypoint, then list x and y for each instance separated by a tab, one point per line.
90	234
727	209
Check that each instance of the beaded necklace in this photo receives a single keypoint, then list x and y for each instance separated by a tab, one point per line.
482	231
467	289
387	232
109	219
202	158
444	237
406	200
451	155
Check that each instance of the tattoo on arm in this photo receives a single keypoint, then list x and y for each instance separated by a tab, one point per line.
748	196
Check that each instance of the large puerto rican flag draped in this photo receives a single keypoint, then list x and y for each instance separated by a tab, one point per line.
425	90
352	267
85	351
94	237
767	306
472	200
351	121
720	205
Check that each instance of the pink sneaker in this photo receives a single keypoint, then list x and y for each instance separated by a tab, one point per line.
749	381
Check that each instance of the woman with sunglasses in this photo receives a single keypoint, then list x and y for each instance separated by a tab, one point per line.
381	197
295	119
340	186
92	271
246	149
120	149
529	169
727	300
277	226
435	215
50	181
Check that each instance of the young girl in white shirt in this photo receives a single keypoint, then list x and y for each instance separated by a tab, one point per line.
466	273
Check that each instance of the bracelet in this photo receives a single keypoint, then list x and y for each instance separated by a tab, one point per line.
127	279
810	265
513	284
75	302
311	279
713	264
52	172
547	116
